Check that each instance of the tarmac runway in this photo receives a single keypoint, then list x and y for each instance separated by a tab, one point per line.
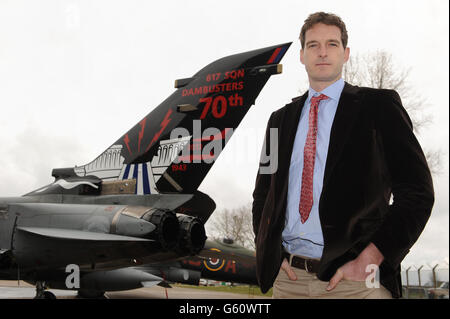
11	290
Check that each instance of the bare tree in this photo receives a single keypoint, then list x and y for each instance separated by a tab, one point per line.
435	161
235	224
377	70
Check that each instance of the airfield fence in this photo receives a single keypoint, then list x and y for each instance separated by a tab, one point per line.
417	280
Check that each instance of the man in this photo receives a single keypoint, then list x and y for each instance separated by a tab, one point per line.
323	221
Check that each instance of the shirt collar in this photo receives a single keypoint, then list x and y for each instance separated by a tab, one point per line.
333	91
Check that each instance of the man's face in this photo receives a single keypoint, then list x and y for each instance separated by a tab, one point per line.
323	54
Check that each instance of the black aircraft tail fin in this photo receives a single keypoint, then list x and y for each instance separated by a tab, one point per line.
174	146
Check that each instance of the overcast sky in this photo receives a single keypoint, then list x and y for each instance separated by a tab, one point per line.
76	75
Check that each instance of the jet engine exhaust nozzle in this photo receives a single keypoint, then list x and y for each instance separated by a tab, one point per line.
192	235
167	228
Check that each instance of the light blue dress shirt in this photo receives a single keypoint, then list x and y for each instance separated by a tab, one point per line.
307	239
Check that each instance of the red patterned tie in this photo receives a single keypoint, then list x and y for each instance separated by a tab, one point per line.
309	155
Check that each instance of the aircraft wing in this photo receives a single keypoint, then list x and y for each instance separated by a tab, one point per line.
77	235
57	247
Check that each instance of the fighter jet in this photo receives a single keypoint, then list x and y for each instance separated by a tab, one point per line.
228	262
220	260
138	202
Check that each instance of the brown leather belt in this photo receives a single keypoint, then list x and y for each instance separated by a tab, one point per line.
310	265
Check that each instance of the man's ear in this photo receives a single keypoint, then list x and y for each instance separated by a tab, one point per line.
301	56
346	54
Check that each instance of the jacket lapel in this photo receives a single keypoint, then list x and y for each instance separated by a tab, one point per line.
288	130
346	113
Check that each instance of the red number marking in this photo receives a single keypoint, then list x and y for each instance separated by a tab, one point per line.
223	108
208	101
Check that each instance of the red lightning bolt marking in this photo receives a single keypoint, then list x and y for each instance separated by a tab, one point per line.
141	133
163	125
127	140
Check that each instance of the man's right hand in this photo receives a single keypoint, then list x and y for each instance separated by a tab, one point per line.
288	270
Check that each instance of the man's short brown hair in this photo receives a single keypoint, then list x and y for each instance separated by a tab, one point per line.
325	18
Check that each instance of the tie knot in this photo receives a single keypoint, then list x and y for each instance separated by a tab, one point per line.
315	100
